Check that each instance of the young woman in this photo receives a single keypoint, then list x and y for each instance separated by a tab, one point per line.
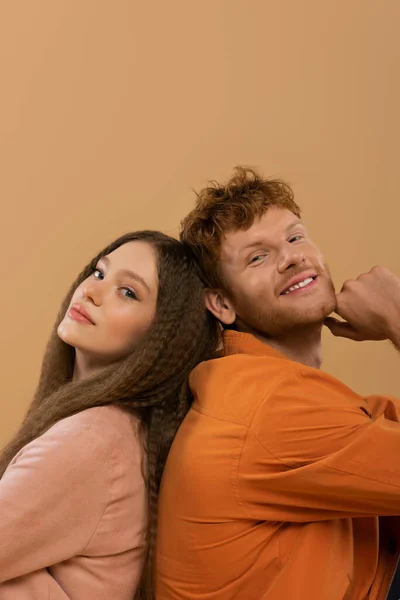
79	482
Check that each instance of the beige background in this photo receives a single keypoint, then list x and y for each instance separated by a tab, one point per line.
110	112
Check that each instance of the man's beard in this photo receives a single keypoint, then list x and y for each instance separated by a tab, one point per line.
255	316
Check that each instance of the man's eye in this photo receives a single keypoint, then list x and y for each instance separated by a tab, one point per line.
256	259
295	238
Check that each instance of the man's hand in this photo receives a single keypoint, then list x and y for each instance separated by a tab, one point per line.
370	307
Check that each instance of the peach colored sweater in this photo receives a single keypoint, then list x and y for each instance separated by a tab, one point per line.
72	511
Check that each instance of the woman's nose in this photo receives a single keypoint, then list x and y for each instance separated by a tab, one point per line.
92	293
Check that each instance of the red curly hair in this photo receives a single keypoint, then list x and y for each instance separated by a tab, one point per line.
221	208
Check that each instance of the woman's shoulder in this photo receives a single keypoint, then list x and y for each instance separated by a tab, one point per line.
92	436
108	420
117	431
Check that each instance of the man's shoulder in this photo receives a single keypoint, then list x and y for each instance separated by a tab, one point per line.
236	387
233	387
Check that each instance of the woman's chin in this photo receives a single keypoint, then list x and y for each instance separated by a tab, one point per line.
67	336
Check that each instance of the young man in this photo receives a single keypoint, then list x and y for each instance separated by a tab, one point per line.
282	483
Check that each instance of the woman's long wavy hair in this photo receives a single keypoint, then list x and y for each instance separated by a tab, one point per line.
151	382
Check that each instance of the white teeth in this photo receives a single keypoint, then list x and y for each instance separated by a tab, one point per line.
299	285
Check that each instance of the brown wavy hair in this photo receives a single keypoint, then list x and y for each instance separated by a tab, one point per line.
221	208
151	382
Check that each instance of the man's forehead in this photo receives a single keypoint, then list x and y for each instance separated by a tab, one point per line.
275	221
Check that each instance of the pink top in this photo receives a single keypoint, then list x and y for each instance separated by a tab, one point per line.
73	511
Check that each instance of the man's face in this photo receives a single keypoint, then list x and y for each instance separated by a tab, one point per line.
276	276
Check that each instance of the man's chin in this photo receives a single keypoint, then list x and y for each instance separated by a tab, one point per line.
303	321
317	315
280	323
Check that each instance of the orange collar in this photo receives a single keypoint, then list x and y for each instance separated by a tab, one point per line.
236	342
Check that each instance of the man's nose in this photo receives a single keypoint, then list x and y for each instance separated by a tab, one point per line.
289	257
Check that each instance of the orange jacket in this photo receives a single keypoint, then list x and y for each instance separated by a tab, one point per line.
274	484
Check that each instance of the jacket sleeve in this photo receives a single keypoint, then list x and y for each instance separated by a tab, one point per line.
387	406
315	451
52	498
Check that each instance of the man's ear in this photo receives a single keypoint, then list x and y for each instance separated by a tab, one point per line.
220	306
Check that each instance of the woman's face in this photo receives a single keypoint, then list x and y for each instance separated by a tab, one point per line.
113	308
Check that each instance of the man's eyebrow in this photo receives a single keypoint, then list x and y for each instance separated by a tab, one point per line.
294	223
258	242
251	245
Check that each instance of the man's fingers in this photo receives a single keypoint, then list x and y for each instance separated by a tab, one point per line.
342	329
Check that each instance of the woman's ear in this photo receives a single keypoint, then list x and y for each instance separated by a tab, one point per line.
220	306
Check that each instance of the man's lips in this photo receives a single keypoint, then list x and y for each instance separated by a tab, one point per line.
78	313
303	280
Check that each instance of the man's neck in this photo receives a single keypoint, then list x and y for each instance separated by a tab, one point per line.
303	345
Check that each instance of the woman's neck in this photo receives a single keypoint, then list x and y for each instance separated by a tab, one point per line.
84	366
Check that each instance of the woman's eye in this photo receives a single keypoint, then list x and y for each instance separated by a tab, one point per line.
97	274
128	293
